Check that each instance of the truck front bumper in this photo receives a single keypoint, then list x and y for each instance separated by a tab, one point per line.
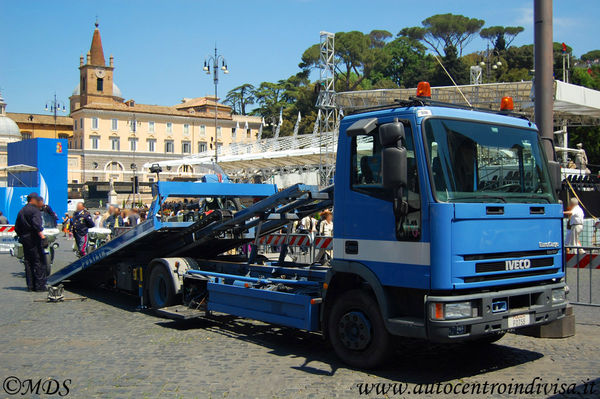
524	307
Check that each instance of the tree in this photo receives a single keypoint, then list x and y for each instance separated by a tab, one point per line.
454	66
240	97
445	31
591	55
501	37
408	63
357	55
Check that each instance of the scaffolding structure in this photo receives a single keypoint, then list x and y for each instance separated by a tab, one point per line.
327	120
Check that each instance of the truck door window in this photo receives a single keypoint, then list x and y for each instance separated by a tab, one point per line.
366	177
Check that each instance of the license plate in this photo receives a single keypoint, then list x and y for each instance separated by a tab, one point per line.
519	320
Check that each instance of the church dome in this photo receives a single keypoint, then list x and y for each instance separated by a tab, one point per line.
9	131
116	91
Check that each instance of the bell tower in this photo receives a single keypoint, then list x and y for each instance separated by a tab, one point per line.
95	77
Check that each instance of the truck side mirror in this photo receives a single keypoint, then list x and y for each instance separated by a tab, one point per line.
555	175
393	155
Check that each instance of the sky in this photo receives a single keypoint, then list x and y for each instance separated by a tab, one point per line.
160	46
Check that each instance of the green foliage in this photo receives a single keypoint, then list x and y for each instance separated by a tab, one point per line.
501	37
408	63
240	97
445	31
591	55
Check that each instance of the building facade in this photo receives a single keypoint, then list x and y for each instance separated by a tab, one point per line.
42	126
112	138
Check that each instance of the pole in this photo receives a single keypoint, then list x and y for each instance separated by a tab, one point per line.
54	106
544	81
216	80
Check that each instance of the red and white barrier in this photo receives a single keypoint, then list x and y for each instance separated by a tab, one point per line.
324	243
583	261
7	237
294	240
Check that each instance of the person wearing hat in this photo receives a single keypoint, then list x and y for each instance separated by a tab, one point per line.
29	229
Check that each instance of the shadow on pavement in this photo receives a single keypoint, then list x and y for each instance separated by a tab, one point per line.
415	361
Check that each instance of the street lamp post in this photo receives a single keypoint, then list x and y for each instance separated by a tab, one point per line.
55	107
135	184
214	60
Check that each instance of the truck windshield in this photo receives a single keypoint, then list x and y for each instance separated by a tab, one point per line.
480	162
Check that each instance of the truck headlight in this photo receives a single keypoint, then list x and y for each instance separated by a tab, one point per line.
559	295
451	311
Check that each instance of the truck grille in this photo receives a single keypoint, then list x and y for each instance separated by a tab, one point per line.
504	276
514	254
486	267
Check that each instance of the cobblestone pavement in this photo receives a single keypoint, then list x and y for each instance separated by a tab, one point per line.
108	349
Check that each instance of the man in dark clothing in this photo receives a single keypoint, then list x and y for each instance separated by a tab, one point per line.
113	221
82	221
29	228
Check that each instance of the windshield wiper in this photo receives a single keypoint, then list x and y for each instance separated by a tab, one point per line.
525	196
497	197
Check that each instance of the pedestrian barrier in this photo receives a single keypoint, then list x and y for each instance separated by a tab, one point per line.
7	237
292	240
583	265
324	243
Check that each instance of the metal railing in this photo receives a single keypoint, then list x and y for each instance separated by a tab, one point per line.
582	273
7	237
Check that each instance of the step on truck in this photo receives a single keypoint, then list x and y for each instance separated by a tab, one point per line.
447	228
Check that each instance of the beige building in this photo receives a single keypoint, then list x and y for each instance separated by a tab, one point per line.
46	126
113	138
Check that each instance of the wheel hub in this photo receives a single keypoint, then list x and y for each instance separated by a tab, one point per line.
355	330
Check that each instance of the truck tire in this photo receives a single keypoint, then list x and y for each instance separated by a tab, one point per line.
357	331
160	290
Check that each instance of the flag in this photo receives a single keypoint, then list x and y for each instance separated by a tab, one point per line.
278	128
564	48
297	126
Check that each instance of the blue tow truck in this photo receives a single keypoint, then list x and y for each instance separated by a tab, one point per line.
447	228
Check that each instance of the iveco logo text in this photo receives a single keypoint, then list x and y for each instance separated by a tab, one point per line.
548	244
517	264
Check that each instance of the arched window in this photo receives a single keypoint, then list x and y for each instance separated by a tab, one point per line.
185	170
114	170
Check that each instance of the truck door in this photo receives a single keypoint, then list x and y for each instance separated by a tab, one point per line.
369	226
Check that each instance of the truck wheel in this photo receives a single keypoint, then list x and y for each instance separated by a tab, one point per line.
160	289
357	331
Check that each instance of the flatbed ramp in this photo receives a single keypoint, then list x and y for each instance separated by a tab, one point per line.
211	235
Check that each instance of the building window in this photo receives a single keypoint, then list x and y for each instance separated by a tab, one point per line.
25	135
151	127
169	127
233	132
201	146
75	123
95	123
95	140
95	178
169	146
100	84
186	147
202	130
219	131
115	143
114	125
151	145
186	129
63	136
81	123
248	133
133	144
